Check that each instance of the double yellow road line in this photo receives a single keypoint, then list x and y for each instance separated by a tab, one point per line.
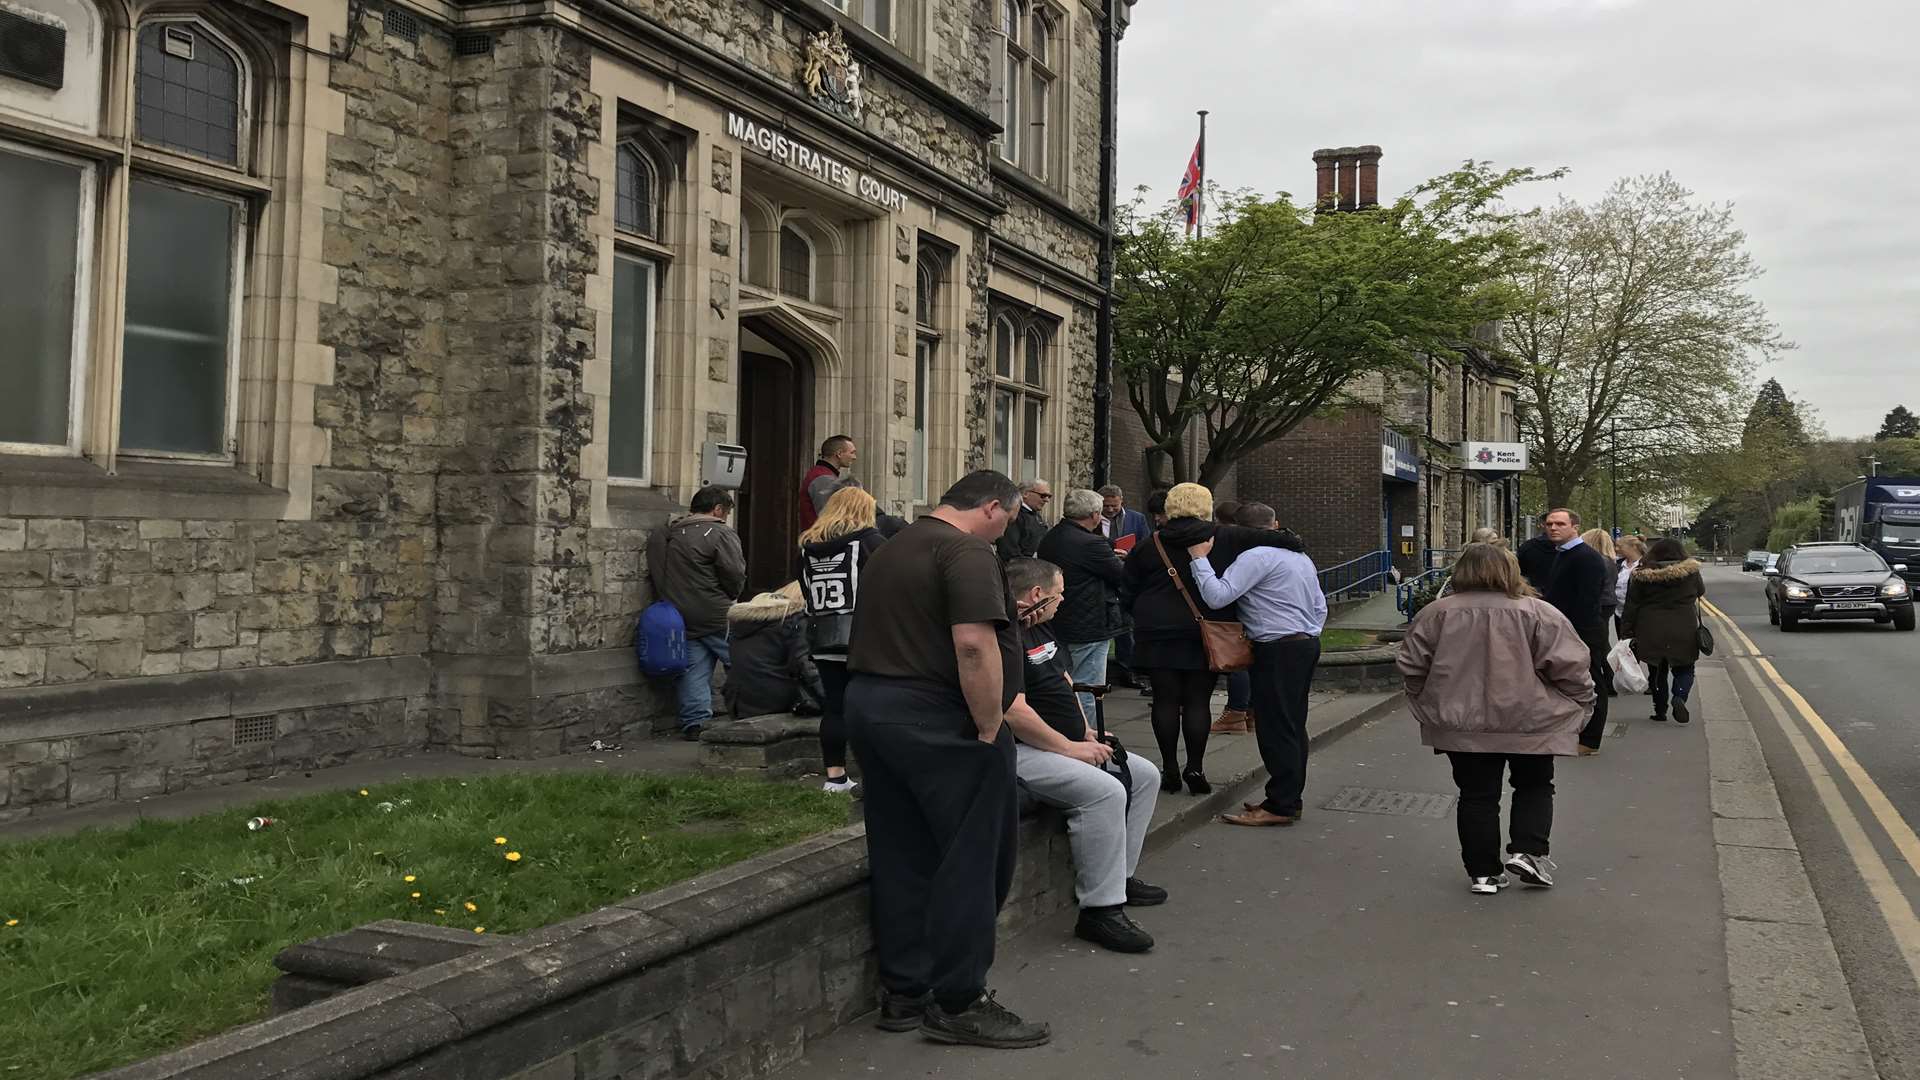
1796	718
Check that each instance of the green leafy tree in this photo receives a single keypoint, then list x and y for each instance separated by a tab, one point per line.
1899	424
1265	320
1637	333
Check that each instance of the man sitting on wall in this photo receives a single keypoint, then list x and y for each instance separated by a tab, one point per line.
1062	762
697	566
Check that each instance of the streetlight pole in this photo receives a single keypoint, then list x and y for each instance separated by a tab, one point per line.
1614	468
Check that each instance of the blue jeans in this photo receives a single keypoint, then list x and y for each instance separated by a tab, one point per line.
1659	674
1239	691
696	683
1087	663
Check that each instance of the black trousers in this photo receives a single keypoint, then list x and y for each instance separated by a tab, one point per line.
1282	677
1478	815
941	819
1595	639
833	712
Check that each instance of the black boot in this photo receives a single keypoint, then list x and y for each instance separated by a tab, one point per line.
1109	928
1141	894
902	1012
986	1022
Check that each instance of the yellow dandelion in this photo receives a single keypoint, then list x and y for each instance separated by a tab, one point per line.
439	911
13	922
471	906
363	791
408	879
513	856
416	896
498	840
479	929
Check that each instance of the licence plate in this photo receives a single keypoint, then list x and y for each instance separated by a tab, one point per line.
1849	605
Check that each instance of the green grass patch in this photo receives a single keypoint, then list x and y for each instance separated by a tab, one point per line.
127	942
1335	640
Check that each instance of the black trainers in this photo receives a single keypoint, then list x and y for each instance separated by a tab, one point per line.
902	1012
691	732
1110	928
986	1022
1141	894
1680	715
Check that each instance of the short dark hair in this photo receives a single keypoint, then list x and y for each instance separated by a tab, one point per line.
1256	515
1024	574
977	489
1112	491
1224	512
834	443
1666	549
1157	503
1573	516
710	498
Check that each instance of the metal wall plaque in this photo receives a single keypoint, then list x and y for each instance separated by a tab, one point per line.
1366	800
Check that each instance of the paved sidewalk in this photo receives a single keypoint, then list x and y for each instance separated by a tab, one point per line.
1348	946
1377	612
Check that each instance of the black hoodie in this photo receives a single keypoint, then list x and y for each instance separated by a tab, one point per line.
1158	610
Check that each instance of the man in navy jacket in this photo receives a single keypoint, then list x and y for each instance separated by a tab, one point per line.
1579	578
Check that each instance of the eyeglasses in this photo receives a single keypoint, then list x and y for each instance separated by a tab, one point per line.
1044	494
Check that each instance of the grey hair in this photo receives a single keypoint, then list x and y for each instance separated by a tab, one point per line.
1032	484
1112	491
1080	503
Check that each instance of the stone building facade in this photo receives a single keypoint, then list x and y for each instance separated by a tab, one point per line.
366	341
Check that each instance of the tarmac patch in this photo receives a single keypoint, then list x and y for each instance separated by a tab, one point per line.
1366	800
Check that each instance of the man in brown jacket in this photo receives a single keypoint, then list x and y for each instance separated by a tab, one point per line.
697	566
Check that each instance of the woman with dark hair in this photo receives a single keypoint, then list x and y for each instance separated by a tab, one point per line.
1662	617
1166	639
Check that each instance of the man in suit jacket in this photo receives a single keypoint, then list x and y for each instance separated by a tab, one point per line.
1536	557
1578	581
1118	522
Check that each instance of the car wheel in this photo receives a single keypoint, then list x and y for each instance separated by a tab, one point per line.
1788	624
1903	619
1773	615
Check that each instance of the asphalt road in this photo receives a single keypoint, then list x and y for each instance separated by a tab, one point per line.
1859	680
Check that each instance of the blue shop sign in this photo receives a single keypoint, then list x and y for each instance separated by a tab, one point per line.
1399	457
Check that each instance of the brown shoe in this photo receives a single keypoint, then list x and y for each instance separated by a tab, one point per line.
1231	722
1589	751
1252	806
1258	817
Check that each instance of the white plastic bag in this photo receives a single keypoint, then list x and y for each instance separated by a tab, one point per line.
1629	674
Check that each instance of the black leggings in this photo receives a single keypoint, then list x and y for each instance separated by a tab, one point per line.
1181	705
833	712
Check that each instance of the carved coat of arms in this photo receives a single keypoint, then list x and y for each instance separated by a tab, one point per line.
832	75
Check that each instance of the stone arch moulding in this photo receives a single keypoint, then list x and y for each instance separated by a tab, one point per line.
799	332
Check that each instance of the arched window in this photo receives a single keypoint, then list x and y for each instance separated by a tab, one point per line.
637	192
188	92
796	263
926	290
1021	356
1004	337
1025	71
926	356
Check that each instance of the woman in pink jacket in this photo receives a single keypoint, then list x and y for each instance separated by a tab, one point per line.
1500	683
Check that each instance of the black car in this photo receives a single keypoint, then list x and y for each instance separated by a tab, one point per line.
1836	581
1755	560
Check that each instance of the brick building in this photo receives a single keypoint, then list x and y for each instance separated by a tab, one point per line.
352	348
1402	471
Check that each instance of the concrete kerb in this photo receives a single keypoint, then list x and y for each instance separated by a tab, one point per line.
1793	1013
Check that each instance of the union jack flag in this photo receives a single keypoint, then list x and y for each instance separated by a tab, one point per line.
1191	184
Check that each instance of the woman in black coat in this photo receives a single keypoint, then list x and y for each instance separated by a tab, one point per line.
1662	617
1166	639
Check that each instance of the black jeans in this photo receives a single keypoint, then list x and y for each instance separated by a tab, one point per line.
1282	678
1478	815
941	819
833	712
1659	674
1595	639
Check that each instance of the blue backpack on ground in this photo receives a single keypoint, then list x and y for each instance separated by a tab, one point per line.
660	641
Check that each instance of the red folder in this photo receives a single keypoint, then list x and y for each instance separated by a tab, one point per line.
1125	543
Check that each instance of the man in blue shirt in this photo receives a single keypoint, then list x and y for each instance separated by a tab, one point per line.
1284	611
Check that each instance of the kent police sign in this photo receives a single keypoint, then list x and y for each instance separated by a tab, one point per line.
1494	456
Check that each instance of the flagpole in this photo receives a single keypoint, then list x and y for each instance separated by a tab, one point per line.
1199	192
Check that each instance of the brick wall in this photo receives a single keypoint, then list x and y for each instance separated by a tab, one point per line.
1323	479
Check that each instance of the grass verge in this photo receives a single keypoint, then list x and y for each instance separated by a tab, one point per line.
1335	640
118	944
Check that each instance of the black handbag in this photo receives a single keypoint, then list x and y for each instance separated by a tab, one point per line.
1704	635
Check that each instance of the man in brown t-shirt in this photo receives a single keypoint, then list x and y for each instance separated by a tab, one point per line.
935	662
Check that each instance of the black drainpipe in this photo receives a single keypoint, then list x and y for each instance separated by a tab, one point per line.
1111	27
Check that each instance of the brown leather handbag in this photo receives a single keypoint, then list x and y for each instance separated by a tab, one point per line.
1224	640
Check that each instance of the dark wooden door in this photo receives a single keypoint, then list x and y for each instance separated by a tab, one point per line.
769	501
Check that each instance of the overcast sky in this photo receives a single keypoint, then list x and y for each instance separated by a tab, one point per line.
1805	116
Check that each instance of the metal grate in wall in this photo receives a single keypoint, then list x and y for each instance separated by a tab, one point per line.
473	45
249	730
32	51
403	24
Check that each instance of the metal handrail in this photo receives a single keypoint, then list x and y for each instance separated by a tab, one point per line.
1355	573
1403	592
1438	558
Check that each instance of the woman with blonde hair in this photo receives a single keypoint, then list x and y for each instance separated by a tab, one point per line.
1631	550
832	552
1500	683
1601	541
1484	535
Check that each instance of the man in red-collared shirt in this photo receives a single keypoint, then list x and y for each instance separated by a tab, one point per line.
837	455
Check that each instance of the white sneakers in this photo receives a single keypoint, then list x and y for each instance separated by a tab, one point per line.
1534	870
843	786
1487	886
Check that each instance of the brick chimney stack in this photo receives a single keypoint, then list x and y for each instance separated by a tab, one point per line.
1348	174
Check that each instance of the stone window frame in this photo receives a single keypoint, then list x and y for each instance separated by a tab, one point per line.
789	230
640	243
932	267
270	442
865	13
1033	146
1032	337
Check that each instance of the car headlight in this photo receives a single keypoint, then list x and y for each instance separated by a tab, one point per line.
1894	589
1796	591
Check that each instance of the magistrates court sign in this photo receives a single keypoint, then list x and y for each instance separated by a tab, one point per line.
800	157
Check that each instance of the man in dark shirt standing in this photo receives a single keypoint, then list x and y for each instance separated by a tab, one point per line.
935	662
1536	555
1580	577
1062	762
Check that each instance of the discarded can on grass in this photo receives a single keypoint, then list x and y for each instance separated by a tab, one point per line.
256	824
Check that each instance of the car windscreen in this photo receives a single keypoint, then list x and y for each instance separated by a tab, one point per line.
1840	562
1900	534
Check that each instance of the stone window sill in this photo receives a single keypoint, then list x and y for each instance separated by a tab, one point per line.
77	488
630	506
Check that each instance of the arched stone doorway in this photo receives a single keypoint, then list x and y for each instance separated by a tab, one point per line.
777	371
